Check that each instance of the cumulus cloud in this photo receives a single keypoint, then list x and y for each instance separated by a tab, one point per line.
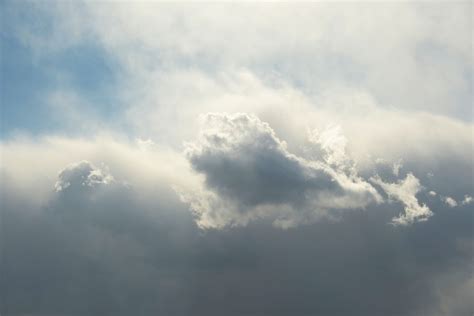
405	191
249	173
467	200
449	201
82	174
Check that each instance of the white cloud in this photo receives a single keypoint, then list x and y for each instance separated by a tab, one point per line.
30	167
405	191
396	167
449	201
332	145
428	41
467	200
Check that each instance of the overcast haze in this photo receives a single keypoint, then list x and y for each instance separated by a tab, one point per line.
238	159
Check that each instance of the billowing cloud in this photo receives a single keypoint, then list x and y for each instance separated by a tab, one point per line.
249	173
405	191
82	174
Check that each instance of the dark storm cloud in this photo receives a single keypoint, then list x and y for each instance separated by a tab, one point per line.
92	249
112	254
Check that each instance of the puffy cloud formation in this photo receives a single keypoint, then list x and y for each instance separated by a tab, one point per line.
467	200
249	174
82	174
405	191
449	201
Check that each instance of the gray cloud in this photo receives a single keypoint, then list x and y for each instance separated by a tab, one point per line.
96	247
249	173
395	79
110	249
82	174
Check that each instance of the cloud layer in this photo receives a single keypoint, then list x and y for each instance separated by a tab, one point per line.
134	241
285	159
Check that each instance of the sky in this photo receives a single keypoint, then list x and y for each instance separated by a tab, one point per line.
236	158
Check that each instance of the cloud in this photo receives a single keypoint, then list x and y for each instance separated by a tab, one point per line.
249	173
82	174
426	39
332	146
326	105
109	248
449	201
405	191
396	168
91	233
103	162
467	200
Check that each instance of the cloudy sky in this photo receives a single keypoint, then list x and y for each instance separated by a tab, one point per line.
236	158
